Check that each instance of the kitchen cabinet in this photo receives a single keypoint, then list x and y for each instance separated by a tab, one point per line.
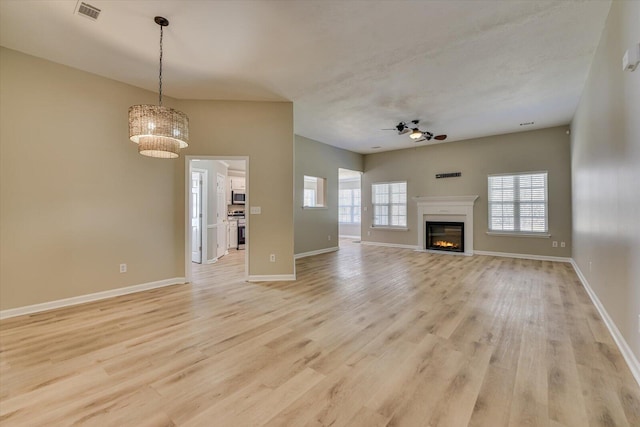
237	183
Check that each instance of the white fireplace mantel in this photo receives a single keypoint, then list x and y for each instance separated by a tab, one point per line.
443	208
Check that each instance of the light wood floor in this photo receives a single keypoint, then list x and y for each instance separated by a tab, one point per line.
367	336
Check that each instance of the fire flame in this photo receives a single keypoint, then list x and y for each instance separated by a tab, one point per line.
445	244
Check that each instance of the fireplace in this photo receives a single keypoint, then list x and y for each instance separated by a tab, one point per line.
447	209
444	236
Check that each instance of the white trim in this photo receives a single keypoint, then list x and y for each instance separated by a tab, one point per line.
387	228
348	236
317	252
81	299
187	223
437	252
204	212
524	256
628	355
516	234
389	245
271	278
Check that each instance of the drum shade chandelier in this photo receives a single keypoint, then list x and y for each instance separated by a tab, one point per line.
159	131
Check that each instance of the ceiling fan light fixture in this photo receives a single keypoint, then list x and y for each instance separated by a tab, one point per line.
159	131
415	134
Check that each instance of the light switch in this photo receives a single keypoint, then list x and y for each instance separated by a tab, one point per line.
255	210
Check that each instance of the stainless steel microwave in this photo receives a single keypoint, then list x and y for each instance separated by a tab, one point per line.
237	198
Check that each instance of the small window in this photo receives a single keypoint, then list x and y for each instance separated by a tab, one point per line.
518	203
315	192
389	204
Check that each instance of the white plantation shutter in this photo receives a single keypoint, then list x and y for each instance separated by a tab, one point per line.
389	204
518	203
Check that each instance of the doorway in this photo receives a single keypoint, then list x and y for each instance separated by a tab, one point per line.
349	204
212	215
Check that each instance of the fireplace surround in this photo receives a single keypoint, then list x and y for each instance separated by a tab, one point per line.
446	209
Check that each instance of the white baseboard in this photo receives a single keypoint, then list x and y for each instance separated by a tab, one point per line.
628	355
389	245
81	299
347	236
271	278
523	256
318	252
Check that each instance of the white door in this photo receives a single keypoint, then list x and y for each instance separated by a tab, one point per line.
221	215
196	217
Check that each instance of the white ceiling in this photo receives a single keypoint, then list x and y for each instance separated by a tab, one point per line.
351	67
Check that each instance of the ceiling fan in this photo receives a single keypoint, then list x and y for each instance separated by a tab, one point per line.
415	133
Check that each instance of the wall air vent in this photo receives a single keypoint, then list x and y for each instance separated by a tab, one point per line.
88	11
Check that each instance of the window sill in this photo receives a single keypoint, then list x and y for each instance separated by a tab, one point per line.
385	228
515	234
315	207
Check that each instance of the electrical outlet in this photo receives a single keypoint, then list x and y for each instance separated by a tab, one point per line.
554	244
329	237
272	258
123	268
368	233
589	266
562	244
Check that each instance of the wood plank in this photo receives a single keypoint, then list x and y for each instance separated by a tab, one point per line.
366	336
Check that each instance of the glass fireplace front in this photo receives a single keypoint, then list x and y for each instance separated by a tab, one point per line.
445	236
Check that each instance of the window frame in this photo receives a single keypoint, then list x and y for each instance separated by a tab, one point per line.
389	206
352	206
319	191
517	206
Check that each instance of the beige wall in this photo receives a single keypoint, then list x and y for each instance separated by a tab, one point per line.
264	132
606	175
312	226
546	149
76	199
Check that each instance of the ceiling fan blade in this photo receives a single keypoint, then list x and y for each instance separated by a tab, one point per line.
440	137
403	131
389	129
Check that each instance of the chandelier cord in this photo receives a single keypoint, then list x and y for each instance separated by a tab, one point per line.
160	76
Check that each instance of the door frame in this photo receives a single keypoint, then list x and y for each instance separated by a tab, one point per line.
223	223
203	210
188	271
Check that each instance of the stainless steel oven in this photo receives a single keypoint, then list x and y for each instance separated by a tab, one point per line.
241	233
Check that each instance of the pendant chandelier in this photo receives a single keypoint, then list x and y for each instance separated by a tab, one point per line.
159	131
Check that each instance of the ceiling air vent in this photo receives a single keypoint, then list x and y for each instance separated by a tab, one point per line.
88	11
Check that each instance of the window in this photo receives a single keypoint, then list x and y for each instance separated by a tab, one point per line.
315	192
389	204
518	203
349	206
